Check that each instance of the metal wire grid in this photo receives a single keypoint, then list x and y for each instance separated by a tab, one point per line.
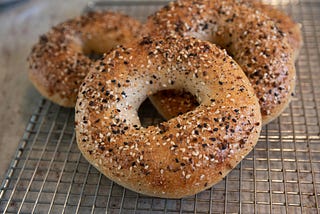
282	173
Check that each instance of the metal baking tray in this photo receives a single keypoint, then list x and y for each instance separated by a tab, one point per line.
281	175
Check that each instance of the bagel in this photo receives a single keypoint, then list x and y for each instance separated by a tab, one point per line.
61	59
286	24
186	154
249	36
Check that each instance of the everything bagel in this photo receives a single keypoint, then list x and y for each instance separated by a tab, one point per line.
250	37
186	154
289	27
60	60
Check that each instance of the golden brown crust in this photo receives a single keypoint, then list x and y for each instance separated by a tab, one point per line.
287	25
186	154
59	61
251	37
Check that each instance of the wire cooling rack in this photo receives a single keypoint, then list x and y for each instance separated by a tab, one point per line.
281	175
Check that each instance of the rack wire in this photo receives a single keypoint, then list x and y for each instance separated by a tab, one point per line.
281	175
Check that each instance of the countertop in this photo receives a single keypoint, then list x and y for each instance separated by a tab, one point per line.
21	24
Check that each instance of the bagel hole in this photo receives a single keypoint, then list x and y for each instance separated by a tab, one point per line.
149	115
94	56
178	102
95	48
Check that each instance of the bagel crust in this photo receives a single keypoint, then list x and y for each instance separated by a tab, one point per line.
250	37
59	61
286	24
186	154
